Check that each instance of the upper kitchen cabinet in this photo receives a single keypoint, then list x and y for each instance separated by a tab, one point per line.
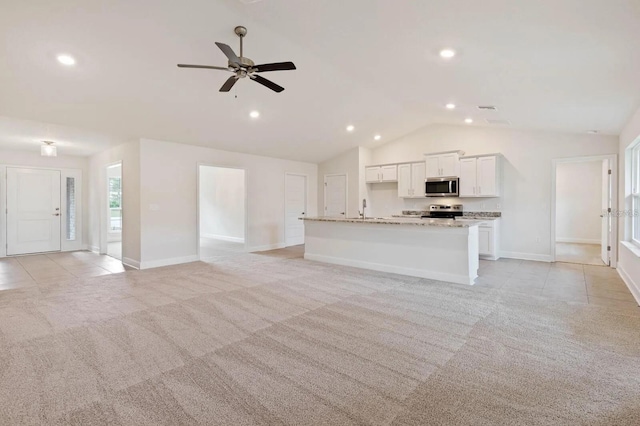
375	174
479	176
443	164
411	178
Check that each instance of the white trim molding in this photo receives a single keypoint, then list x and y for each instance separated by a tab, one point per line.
267	247
167	262
577	241
223	238
129	262
527	256
633	286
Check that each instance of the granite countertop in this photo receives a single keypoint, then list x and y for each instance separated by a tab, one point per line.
465	215
442	223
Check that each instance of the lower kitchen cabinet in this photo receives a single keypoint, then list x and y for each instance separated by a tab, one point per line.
489	239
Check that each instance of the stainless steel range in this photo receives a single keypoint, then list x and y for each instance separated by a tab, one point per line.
444	211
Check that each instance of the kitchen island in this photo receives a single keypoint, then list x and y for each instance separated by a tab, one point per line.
439	249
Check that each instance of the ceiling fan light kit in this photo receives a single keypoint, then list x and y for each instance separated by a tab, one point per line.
243	67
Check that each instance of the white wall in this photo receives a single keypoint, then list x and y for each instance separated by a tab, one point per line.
222	196
628	257
169	198
34	159
526	192
129	155
349	164
579	202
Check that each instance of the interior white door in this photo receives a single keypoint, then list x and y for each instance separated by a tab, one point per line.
605	234
335	196
295	208
33	211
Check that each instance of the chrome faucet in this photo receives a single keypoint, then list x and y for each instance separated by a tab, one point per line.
364	207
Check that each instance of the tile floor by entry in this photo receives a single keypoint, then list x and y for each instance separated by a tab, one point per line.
26	271
586	254
596	285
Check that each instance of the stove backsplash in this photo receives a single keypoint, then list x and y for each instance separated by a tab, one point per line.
383	201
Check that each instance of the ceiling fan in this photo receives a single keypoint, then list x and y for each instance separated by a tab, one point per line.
243	67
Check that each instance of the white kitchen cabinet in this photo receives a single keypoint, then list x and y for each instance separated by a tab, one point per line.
418	176
443	164
479	176
375	174
411	180
488	239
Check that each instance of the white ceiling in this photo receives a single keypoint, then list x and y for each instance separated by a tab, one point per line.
569	66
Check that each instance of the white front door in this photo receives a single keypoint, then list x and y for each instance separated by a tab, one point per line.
33	211
295	208
335	195
605	236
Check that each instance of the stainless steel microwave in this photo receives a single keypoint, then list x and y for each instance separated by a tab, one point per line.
442	187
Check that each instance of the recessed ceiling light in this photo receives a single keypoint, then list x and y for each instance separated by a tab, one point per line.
450	106
254	114
377	137
447	53
66	60
350	128
468	120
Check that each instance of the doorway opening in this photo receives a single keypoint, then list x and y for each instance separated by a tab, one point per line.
222	205
583	196
114	211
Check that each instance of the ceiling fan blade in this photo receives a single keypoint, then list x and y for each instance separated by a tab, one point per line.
229	83
228	51
278	66
267	83
209	67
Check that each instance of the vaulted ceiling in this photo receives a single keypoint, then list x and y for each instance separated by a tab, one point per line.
568	66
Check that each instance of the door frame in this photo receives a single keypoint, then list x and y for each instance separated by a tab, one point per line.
246	201
346	192
306	199
613	163
78	243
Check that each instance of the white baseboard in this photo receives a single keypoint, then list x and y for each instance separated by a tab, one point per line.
130	262
223	238
267	247
94	249
168	262
526	256
439	276
633	286
577	240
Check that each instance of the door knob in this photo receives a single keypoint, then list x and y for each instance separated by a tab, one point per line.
342	213
56	214
302	213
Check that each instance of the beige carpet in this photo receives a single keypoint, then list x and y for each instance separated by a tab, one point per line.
273	339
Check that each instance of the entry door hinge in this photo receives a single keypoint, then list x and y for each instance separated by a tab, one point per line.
608	248
609	171
609	210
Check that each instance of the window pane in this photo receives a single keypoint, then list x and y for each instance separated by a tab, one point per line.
71	209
